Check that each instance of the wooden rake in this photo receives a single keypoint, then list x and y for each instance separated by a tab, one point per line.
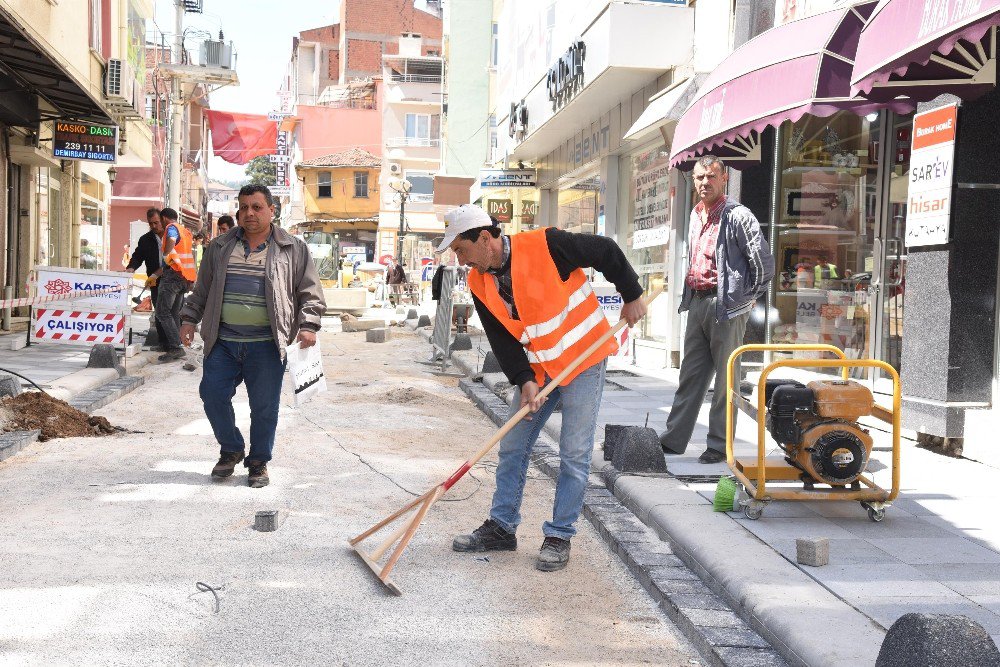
404	533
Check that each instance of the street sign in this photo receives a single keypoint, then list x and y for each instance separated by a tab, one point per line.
55	281
84	141
277	115
506	178
276	158
280	190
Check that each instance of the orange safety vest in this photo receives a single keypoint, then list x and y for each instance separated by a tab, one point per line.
559	320
181	258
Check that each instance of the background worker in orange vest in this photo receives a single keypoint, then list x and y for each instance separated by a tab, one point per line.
539	313
173	279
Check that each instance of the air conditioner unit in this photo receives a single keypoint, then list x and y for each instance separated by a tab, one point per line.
395	168
119	82
216	54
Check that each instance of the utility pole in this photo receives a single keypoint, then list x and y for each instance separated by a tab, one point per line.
176	112
402	227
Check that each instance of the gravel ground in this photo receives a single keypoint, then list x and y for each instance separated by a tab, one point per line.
104	539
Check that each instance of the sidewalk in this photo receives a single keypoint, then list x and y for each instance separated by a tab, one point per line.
937	550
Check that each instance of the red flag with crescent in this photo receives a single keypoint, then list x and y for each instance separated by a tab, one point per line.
240	137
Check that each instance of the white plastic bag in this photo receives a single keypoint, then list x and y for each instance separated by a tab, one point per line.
306	368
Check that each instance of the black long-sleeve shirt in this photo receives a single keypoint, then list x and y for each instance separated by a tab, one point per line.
569	252
147	251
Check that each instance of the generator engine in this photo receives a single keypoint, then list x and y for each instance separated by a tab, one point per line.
816	426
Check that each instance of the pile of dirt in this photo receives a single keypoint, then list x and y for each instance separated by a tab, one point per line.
57	419
403	395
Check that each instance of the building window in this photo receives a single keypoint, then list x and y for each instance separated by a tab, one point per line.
423	129
495	51
361	184
325	184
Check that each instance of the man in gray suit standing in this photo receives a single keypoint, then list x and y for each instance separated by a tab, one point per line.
729	267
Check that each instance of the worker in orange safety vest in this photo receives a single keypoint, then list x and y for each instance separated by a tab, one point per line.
539	312
174	279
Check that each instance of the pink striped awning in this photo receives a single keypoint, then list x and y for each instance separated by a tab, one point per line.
801	67
922	48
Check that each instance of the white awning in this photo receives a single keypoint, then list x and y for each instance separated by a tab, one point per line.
664	109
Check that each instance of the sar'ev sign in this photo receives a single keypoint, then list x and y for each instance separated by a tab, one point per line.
932	177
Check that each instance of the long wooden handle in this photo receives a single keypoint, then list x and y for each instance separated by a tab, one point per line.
548	389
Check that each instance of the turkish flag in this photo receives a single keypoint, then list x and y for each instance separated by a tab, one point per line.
240	137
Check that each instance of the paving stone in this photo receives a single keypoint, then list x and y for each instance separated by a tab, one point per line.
14	441
380	335
461	342
738	637
10	385
97	398
670	587
750	657
672	569
698	601
712	618
937	640
929	551
813	551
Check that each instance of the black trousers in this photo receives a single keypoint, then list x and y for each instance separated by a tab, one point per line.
160	336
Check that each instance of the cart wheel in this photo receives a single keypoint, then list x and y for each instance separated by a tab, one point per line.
753	510
876	515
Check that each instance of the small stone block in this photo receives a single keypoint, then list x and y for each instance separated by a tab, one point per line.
812	551
411	314
462	342
490	364
9	385
380	335
264	521
424	321
937	640
639	451
103	355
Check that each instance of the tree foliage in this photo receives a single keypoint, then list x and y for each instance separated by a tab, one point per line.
260	172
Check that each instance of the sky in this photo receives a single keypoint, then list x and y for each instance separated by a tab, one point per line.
261	32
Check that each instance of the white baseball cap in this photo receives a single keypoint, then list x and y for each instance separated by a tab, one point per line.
462	219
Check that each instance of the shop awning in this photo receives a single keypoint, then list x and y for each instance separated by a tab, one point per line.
664	110
922	49
28	65
801	67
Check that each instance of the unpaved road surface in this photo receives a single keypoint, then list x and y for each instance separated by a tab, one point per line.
103	539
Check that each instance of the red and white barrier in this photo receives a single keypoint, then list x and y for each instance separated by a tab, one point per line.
77	326
50	298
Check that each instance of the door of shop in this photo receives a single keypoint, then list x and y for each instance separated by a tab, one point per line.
887	290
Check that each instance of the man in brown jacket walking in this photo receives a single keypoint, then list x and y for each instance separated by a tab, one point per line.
257	292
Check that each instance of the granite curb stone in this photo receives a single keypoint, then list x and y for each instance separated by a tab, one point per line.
97	398
14	441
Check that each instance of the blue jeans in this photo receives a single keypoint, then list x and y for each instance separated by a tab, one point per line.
581	400
258	364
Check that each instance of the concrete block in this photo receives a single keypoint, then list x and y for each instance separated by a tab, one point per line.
937	640
10	385
613	434
103	355
380	335
639	451
424	321
350	324
461	342
813	551
490	364
152	336
411	314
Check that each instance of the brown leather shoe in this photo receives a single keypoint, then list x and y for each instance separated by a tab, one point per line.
258	478
227	464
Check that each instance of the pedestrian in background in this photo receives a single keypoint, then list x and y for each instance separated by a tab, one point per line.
224	224
729	268
257	292
174	278
539	313
147	251
395	277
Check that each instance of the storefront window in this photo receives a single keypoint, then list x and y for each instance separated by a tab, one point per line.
825	234
579	206
648	236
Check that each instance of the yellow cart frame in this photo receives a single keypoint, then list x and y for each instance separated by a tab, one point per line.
755	474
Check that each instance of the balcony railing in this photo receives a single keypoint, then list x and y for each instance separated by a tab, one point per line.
415	78
411	142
